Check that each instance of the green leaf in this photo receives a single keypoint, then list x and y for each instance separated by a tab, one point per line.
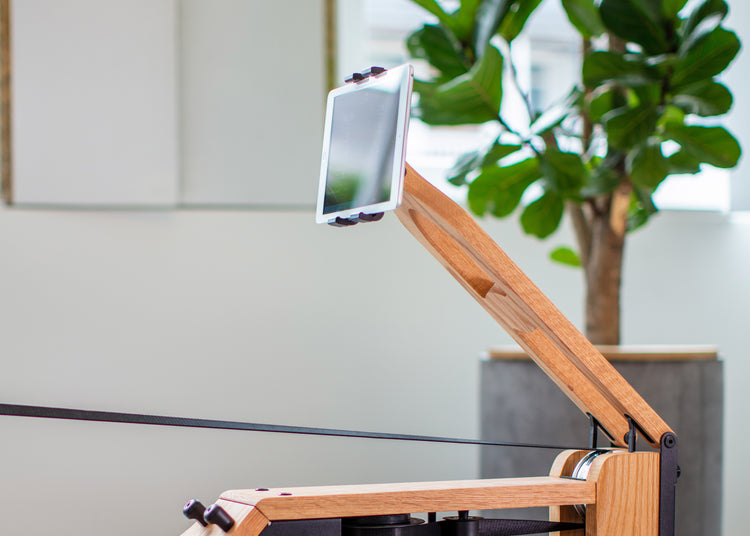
567	256
648	167
490	16
516	18
564	172
474	159
630	127
472	98
434	44
647	95
671	114
603	66
465	164
542	217
713	145
710	55
670	8
434	7
639	21
704	17
584	15
604	177
499	189
641	209
498	151
465	17
706	99
557	113
601	104
683	162
604	102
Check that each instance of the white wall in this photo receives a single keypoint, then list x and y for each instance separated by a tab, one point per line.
251	75
736	78
264	316
165	103
269	318
104	70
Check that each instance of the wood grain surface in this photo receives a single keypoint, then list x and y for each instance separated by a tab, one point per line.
627	353
457	241
6	147
621	494
382	499
627	495
564	465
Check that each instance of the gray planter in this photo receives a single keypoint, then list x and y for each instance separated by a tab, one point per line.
519	403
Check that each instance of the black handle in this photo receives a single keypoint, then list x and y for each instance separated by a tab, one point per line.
193	509
216	515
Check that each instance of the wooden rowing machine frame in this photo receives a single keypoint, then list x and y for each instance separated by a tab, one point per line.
626	493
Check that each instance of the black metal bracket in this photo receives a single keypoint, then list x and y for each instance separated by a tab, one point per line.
632	434
354	220
364	75
669	472
594	428
633	431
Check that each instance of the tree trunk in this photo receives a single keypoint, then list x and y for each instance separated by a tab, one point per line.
603	268
600	224
603	277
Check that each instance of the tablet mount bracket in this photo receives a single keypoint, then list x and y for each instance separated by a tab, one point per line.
354	220
356	78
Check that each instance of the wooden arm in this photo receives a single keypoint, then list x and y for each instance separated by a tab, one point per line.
455	239
410	497
621	494
253	510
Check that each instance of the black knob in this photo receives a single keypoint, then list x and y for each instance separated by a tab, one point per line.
216	515
194	510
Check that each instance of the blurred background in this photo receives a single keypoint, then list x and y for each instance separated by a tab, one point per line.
159	256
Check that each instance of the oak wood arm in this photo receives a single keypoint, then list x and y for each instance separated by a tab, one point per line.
457	241
621	494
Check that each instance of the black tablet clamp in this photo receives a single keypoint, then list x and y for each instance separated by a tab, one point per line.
359	77
354	220
361	217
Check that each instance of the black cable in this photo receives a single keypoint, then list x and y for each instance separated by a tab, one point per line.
44	412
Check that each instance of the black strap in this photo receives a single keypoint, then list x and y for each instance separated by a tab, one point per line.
161	420
513	527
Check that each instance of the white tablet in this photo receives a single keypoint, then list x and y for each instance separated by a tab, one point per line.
364	146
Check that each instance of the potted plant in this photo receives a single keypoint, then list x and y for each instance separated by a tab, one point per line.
645	108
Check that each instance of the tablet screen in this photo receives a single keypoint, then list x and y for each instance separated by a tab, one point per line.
364	146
